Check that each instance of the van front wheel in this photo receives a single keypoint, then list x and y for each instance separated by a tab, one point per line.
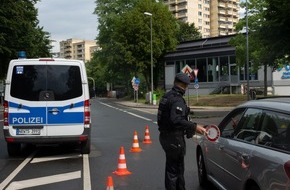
86	146
13	149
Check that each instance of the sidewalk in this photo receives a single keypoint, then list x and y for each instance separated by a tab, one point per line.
150	106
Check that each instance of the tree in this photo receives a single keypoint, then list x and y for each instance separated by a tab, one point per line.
259	52
276	28
20	32
124	36
187	32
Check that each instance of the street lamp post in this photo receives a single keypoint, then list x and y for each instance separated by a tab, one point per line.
247	52
151	95
94	85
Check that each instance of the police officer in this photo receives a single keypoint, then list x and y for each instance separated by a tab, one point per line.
173	125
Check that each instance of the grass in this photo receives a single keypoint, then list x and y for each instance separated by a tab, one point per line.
220	100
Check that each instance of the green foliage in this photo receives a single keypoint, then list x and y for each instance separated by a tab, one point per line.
20	32
124	38
187	32
276	29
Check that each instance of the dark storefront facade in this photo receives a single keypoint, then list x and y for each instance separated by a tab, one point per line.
215	60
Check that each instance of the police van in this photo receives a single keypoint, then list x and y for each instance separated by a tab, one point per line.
46	101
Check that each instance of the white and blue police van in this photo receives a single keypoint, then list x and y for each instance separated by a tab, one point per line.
46	101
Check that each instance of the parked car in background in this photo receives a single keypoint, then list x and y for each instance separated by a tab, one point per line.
253	150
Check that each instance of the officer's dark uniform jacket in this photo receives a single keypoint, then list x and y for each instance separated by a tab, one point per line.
173	113
173	123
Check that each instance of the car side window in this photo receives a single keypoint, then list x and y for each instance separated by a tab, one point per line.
230	123
248	127
275	131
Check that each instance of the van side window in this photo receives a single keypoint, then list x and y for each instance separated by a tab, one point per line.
42	82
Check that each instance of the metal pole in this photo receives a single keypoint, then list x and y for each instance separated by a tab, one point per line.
247	53
94	86
151	61
151	46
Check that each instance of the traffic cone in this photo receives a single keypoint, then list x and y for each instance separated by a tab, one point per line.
122	166
147	139
110	185
135	147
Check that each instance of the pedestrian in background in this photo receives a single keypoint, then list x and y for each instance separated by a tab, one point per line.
173	125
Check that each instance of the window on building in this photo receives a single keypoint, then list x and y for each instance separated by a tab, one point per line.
199	13
179	65
201	66
199	6
224	69
212	69
191	63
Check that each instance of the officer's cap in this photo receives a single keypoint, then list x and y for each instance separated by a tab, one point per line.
182	77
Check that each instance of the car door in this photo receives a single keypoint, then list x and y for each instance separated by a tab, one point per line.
65	99
216	151
236	149
27	113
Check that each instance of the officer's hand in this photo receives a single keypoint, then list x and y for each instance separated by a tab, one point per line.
200	129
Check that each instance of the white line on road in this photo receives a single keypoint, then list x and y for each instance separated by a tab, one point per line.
141	117
16	171
86	171
43	180
53	158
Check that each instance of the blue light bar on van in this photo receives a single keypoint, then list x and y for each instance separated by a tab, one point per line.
21	55
46	59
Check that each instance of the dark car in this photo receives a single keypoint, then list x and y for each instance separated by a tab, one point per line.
253	150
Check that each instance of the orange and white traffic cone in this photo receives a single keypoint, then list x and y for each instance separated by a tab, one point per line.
135	146
147	139
110	185
122	166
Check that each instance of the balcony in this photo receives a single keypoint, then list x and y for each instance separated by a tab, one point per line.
183	7
222	12
223	5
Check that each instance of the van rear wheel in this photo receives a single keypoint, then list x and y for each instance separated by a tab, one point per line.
86	146
13	149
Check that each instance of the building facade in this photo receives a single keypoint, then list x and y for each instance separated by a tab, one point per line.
214	61
212	17
77	49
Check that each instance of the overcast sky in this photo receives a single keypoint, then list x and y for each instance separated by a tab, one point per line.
65	19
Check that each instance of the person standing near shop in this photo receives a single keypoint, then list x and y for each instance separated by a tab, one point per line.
173	124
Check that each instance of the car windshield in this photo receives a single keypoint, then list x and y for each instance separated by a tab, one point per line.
46	82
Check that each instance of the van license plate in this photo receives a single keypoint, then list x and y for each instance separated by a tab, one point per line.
28	131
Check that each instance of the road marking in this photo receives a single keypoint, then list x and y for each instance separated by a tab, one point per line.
86	173
43	180
141	117
16	171
53	158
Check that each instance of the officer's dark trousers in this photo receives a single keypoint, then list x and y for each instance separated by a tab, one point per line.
174	146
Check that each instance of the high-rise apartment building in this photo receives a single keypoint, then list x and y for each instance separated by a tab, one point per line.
77	49
212	17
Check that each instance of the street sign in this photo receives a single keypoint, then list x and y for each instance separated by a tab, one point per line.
137	81
187	70
195	72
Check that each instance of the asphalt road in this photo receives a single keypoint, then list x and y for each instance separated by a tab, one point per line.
113	126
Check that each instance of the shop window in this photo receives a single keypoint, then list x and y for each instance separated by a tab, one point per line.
201	66
224	69
212	69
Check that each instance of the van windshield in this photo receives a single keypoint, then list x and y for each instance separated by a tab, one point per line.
46	82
